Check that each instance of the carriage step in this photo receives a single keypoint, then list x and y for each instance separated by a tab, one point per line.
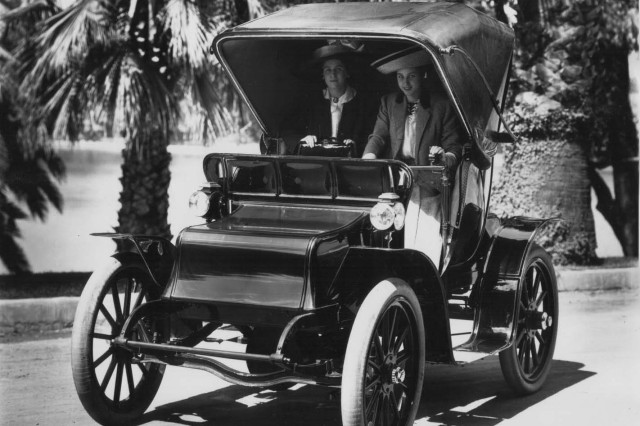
466	357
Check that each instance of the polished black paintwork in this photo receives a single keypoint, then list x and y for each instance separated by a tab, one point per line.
364	267
319	180
499	289
258	256
156	253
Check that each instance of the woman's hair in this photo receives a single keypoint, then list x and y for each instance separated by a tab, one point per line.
427	73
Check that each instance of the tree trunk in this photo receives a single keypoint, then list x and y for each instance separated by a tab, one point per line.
625	180
144	200
548	179
624	158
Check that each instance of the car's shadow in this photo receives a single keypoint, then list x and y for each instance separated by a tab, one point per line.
472	395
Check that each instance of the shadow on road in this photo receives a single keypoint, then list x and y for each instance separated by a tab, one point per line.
472	395
477	394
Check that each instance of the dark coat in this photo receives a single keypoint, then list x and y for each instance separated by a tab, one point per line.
436	123
356	123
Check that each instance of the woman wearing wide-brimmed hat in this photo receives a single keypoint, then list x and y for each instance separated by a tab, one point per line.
411	124
338	111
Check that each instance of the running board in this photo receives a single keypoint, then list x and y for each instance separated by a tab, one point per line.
474	350
465	357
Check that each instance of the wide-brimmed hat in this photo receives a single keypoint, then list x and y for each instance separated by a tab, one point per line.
336	48
412	57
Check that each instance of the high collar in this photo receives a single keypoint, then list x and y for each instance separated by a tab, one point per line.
348	95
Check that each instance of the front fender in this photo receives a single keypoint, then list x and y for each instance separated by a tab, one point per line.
363	268
157	253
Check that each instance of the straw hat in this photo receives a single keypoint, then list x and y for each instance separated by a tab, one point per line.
412	57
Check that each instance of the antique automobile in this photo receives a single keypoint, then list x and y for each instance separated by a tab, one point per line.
299	269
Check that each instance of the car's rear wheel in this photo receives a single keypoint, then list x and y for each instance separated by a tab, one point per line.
525	365
112	388
384	361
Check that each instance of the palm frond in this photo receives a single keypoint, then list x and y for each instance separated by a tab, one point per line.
47	187
256	9
4	158
13	256
205	94
5	55
54	163
104	88
189	36
23	181
68	35
31	12
142	99
10	212
61	106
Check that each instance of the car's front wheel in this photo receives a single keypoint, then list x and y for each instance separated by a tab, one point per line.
112	387
384	361
525	364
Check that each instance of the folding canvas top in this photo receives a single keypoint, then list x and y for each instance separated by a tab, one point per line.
471	53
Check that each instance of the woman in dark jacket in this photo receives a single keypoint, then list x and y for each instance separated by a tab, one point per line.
337	112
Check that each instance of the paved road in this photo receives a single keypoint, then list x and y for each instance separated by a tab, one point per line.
595	380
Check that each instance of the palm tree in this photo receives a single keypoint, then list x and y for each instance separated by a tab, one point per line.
29	169
131	62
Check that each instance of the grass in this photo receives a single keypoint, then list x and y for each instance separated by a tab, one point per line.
606	263
47	284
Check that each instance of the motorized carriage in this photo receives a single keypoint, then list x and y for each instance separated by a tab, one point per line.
300	263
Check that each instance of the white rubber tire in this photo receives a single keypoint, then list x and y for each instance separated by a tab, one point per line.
386	295
94	399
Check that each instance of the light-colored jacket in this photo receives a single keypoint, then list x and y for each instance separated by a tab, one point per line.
436	125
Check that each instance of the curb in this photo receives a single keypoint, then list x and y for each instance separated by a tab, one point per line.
598	279
44	314
38	314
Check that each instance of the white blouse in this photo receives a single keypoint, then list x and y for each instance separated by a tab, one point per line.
337	105
408	146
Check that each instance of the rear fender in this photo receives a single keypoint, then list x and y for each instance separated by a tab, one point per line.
363	268
510	244
157	254
499	290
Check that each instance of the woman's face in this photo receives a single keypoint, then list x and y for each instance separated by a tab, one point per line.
335	75
410	82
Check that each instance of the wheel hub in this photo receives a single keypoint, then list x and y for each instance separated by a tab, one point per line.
536	320
398	375
392	374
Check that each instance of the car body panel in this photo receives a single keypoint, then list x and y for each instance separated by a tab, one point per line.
257	256
364	267
499	290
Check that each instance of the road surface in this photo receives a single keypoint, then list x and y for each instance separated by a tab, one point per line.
595	380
